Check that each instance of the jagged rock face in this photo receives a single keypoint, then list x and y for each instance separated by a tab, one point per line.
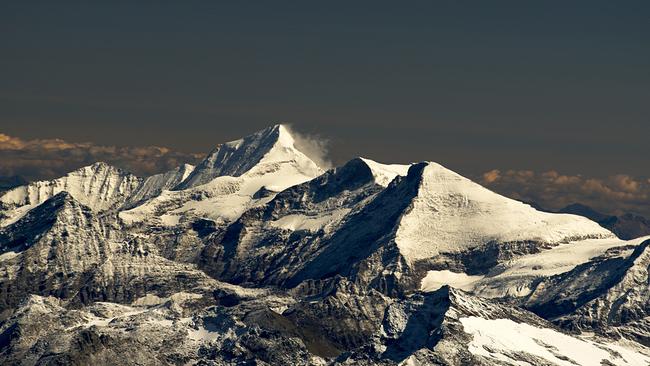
62	249
99	186
450	327
51	249
616	293
344	326
154	185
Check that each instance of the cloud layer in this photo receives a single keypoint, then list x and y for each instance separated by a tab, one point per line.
50	158
614	194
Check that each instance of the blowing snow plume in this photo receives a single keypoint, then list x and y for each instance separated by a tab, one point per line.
314	146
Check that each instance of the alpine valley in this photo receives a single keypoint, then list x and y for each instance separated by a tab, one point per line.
258	256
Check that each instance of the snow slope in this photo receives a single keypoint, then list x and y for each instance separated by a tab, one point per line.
451	214
385	173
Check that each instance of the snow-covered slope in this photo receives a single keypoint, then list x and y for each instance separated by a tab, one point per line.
499	339
98	186
385	173
450	213
435	220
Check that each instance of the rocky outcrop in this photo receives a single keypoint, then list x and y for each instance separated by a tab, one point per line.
611	290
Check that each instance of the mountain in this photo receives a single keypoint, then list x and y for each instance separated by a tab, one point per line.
626	226
230	180
450	327
77	256
258	256
99	186
54	245
451	213
583	210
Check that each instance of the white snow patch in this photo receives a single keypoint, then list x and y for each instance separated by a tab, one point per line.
310	223
502	336
202	334
385	173
436	279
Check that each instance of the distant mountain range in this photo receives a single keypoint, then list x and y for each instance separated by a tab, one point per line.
257	255
626	226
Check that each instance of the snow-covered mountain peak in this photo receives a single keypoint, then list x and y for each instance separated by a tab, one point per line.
258	153
61	209
99	186
451	213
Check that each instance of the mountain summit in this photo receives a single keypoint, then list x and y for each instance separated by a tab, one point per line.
256	152
99	186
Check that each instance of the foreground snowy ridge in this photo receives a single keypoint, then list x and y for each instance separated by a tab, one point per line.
257	255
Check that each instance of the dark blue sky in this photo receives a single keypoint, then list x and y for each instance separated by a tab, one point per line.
475	85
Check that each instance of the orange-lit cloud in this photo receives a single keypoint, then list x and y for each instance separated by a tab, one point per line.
49	158
615	194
